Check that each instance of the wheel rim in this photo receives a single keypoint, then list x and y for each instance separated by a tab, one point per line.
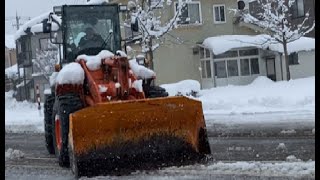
58	132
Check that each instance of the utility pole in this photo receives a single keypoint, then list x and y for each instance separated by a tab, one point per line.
17	21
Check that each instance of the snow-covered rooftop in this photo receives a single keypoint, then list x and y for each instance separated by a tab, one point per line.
221	44
11	71
10	41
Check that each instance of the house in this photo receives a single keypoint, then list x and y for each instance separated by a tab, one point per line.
177	57
182	54
30	42
239	59
10	61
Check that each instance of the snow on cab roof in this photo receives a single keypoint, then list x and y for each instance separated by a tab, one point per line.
222	44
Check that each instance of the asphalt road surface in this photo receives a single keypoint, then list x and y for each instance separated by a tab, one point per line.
38	164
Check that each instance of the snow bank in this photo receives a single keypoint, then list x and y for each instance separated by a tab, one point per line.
10	41
261	96
22	116
71	74
141	71
94	62
222	44
13	154
183	87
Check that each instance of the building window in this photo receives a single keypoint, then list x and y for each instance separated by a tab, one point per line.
249	52
254	62
219	14
227	54
293	59
190	13
204	53
297	9
244	67
206	69
232	68
220	69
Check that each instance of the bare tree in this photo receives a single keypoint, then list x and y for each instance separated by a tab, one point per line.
275	20
45	61
151	25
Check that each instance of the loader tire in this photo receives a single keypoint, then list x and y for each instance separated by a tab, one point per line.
48	106
64	106
204	146
155	91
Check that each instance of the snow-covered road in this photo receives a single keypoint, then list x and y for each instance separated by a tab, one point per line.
232	158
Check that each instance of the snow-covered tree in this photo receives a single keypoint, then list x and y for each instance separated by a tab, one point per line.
45	61
275	18
151	25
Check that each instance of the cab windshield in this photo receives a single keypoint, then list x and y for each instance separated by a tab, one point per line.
90	29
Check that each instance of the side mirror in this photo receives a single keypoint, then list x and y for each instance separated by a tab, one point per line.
46	26
135	25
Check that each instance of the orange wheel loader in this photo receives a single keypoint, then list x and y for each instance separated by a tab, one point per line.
120	128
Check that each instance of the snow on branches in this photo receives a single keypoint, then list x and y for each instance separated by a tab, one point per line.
151	24
45	61
275	19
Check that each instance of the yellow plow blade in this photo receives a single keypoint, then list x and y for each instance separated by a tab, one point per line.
112	135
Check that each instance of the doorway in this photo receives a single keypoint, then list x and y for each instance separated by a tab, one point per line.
271	68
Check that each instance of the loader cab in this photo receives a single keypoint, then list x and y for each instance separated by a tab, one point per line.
88	29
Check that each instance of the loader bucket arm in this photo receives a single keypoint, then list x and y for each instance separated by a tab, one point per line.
157	130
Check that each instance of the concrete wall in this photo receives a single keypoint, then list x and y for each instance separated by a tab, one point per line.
306	66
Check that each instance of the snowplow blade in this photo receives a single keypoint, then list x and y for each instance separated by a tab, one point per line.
116	137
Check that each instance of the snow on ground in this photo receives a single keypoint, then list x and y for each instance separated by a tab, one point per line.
292	169
261	102
22	116
13	154
184	87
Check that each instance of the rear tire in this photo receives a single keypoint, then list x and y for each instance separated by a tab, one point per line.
48	106
65	105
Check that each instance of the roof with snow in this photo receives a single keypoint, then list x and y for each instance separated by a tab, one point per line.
10	41
222	44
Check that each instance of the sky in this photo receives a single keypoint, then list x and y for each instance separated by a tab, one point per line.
29	8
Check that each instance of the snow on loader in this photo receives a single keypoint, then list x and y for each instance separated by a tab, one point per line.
101	118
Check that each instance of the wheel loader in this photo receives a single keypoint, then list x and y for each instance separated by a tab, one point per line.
119	129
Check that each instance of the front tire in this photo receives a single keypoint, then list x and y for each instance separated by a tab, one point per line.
48	107
65	105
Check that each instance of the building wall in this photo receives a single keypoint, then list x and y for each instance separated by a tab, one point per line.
306	66
175	61
10	57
